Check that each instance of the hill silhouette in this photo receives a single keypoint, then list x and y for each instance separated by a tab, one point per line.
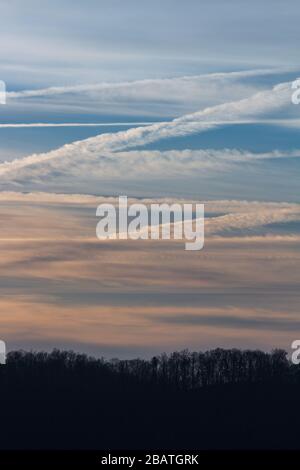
219	399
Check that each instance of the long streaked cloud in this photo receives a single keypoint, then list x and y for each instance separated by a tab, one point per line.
238	214
246	220
243	220
143	164
72	124
99	153
279	122
216	206
146	86
231	318
164	96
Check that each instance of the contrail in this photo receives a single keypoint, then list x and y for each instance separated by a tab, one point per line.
77	124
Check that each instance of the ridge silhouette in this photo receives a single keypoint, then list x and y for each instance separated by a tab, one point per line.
219	399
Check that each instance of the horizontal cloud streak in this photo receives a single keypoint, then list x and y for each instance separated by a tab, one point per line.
261	320
279	122
99	155
135	163
73	124
238	214
140	84
166	97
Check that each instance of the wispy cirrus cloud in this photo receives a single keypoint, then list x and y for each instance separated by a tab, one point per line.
160	96
72	124
142	164
59	283
230	215
149	87
103	152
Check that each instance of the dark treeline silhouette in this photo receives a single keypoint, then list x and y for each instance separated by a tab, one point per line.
188	371
202	400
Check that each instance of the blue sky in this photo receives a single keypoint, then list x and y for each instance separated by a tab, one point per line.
71	41
74	44
152	99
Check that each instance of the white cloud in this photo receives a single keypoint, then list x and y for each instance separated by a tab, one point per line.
72	124
244	220
238	214
144	87
102	155
216	206
163	96
131	164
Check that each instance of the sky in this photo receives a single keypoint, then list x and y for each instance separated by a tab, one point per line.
180	100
